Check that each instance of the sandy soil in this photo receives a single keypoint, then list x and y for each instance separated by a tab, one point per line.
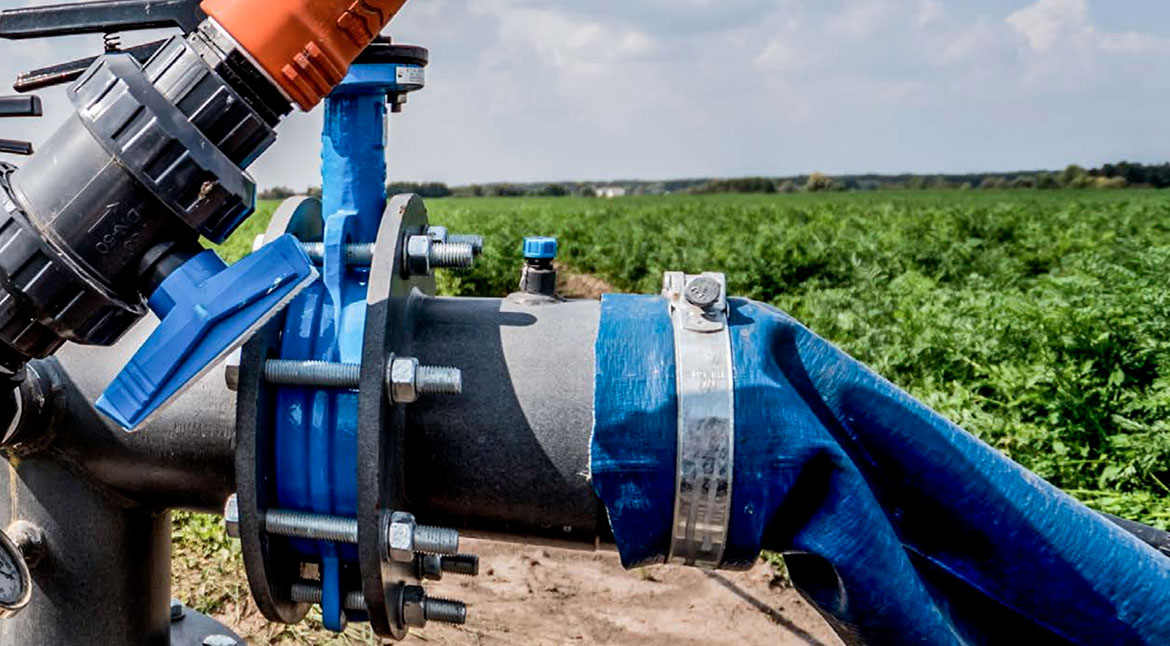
541	596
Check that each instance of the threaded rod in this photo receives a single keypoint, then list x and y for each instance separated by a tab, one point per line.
437	380
321	374
295	524
448	255
355	254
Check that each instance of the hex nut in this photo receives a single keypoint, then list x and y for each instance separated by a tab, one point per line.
414	606
231	517
400	537
403	380
418	255
437	233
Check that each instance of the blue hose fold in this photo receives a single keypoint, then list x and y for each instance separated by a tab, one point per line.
899	526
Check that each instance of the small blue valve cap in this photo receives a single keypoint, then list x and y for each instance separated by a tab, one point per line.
540	248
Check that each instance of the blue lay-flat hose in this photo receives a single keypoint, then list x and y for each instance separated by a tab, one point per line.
899	526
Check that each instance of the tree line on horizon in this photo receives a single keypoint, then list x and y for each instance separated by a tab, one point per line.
1108	176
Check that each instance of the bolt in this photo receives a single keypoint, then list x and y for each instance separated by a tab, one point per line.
404	538
321	374
231	517
476	241
310	593
177	610
406	380
424	255
295	524
461	564
441	234
433	566
445	611
220	640
231	370
355	254
703	291
418	608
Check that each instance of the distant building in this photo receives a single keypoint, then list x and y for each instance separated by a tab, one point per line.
609	192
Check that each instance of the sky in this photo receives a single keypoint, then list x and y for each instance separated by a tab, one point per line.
521	90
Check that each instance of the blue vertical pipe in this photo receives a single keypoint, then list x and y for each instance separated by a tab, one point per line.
353	156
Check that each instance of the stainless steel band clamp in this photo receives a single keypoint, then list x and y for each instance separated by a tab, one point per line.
706	417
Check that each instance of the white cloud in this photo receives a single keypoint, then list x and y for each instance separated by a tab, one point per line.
553	89
930	11
1046	22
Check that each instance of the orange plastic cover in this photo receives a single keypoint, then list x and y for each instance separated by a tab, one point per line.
305	45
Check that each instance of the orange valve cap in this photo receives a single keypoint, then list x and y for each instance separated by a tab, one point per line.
305	46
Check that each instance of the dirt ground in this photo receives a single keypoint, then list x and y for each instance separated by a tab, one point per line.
540	596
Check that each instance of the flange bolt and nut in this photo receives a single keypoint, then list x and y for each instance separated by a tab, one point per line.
433	566
406	378
418	609
440	234
405	538
424	255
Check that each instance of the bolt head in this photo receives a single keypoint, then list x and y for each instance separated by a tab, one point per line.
220	640
414	611
231	517
403	381
177	610
400	537
438	234
418	255
703	291
430	567
231	370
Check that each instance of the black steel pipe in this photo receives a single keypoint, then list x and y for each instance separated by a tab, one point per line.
509	457
184	458
105	574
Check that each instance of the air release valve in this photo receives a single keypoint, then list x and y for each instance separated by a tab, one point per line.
540	276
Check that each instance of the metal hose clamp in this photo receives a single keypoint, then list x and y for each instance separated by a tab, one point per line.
706	417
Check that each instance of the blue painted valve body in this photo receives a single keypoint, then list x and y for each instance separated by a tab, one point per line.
316	430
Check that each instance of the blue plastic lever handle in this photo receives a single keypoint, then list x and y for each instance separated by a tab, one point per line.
207	309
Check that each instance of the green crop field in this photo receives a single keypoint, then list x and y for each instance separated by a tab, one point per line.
1038	320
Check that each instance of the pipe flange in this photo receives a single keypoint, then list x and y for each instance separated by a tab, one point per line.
266	561
706	418
392	302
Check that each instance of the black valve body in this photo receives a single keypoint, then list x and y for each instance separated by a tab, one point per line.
121	193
